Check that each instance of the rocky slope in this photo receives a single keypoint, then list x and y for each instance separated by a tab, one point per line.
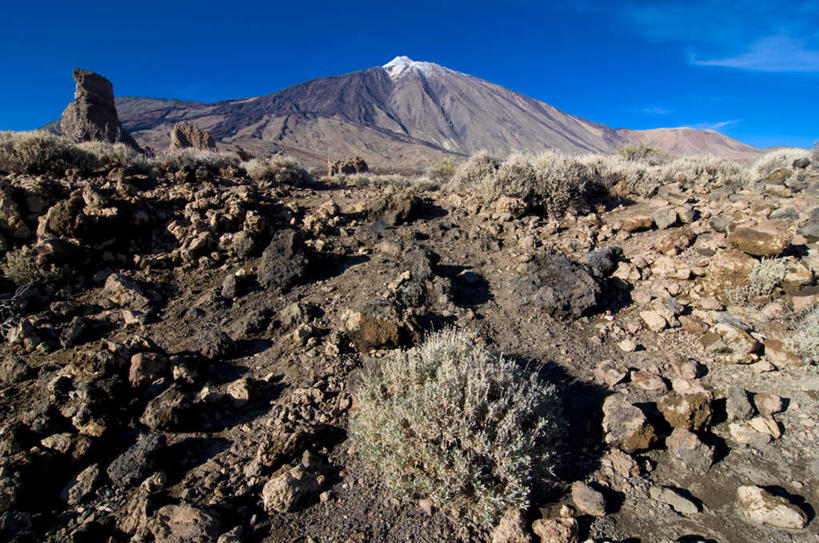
401	115
184	365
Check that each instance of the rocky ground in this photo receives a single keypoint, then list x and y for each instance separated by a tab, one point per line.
183	359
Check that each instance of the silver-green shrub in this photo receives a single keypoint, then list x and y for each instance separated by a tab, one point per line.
454	423
196	158
805	336
278	170
777	160
40	152
763	279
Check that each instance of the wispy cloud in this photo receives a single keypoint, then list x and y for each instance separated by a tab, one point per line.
715	126
656	110
771	54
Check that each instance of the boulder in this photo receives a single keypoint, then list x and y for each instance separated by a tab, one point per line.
588	500
664	217
557	530
81	485
133	465
511	528
395	208
283	262
638	224
348	166
626	426
377	325
691	411
185	135
673	498
555	284
762	507
92	116
184	524
737	405
287	491
765	238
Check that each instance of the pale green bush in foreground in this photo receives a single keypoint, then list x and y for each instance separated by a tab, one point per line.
805	336
776	160
764	278
456	424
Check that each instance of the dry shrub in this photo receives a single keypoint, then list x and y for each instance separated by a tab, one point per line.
562	182
642	152
777	160
763	279
452	422
637	177
478	169
194	159
804	338
40	152
25	266
278	170
707	172
114	155
443	171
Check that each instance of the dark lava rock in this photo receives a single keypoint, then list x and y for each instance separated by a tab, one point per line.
92	116
349	166
603	262
811	228
283	262
165	412
801	163
136	463
13	370
394	209
215	344
557	285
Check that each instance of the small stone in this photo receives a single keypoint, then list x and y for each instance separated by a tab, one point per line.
146	368
183	524
688	450
684	367
777	353
215	344
588	500
81	485
768	404
692	325
654	321
426	505
745	433
646	380
636	224
137	462
762	507
664	217
737	405
621	463
608	373
289	490
557	530
691	411
627	345
677	501
511	528
766	238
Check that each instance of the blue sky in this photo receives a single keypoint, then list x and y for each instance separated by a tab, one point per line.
749	70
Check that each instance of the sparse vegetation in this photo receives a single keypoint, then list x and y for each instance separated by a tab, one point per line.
195	158
776	160
278	170
444	170
805	336
24	266
478	169
10	313
641	152
456	424
706	173
767	274
40	152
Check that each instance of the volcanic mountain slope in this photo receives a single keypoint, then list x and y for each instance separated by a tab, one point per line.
402	114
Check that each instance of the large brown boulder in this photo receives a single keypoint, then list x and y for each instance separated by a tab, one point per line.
185	134
349	166
92	116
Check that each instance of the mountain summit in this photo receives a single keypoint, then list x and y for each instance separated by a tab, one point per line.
405	113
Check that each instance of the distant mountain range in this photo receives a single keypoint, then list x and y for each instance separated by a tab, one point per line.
402	114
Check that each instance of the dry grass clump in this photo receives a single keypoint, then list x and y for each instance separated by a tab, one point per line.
40	152
452	422
194	159
24	266
278	170
642	152
767	274
804	339
443	171
562	182
776	160
476	170
707	172
637	177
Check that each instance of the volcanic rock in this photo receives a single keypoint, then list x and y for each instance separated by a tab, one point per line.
185	135
92	116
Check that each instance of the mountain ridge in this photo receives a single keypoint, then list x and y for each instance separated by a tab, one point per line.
402	114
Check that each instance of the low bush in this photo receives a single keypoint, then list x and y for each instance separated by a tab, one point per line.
478	169
115	155
452	422
562	182
24	266
804	338
706	173
777	160
278	170
194	159
40	152
641	152
767	274
443	171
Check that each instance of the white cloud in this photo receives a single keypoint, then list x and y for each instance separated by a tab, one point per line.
656	110
771	54
715	126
